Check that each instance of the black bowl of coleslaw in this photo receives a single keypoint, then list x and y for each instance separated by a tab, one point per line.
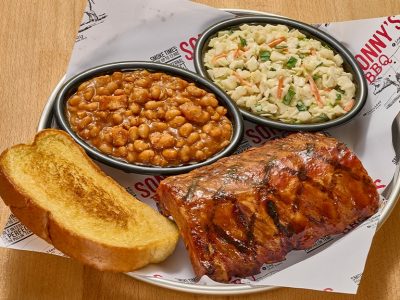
328	107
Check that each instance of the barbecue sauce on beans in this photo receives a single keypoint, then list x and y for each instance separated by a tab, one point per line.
149	118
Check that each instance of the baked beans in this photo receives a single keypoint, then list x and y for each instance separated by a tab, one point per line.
149	118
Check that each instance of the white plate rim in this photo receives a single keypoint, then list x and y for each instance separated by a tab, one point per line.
45	121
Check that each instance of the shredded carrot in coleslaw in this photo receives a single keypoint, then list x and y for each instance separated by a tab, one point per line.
280	88
237	53
314	90
276	42
216	57
349	105
241	80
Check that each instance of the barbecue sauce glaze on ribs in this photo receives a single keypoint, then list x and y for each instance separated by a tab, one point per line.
255	207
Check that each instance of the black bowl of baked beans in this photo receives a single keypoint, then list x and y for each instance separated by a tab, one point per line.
148	118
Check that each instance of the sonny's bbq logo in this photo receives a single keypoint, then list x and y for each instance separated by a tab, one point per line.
372	59
91	17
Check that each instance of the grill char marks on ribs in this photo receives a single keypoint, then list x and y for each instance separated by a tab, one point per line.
255	207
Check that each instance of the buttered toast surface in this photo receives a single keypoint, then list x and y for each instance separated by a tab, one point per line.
55	189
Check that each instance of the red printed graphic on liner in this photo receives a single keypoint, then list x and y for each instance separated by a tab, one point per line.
236	281
258	134
378	185
239	281
370	58
188	46
146	188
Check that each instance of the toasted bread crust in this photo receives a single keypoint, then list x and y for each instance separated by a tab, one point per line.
93	253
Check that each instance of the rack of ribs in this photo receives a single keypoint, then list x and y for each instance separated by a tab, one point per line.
253	208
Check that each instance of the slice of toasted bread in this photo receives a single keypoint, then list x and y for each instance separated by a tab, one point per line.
56	190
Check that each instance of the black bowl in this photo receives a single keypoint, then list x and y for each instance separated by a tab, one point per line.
72	84
349	63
